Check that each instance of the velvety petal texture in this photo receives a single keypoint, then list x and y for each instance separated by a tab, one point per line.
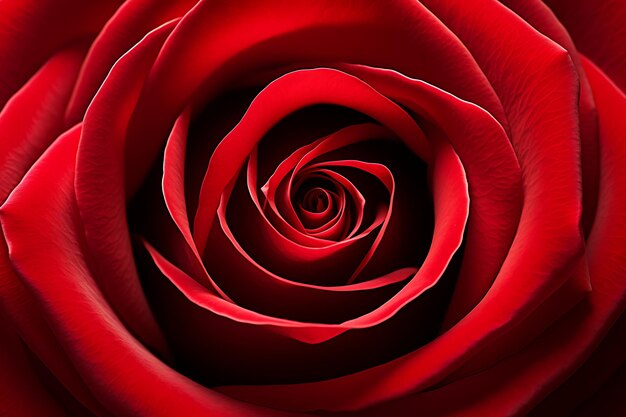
296	208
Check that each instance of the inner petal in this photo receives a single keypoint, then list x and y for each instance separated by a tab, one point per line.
316	200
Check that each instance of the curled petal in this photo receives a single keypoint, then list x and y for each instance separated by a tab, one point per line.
285	95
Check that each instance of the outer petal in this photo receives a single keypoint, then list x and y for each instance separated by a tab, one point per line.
514	386
537	14
609	401
30	323
598	30
30	121
596	374
125	28
33	117
100	187
21	391
49	252
218	43
493	174
33	30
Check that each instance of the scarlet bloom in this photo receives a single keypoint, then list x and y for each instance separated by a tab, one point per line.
295	208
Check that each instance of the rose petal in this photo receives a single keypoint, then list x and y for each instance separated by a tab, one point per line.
609	401
598	31
326	223
100	186
536	13
516	385
246	281
383	174
256	288
119	374
345	253
300	158
197	55
282	179
285	95
22	391
326	227
601	370
131	21
541	105
32	119
41	103
575	289
244	214
492	169
33	30
320	209
174	196
20	305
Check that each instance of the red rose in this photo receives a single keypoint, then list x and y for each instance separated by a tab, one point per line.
324	207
